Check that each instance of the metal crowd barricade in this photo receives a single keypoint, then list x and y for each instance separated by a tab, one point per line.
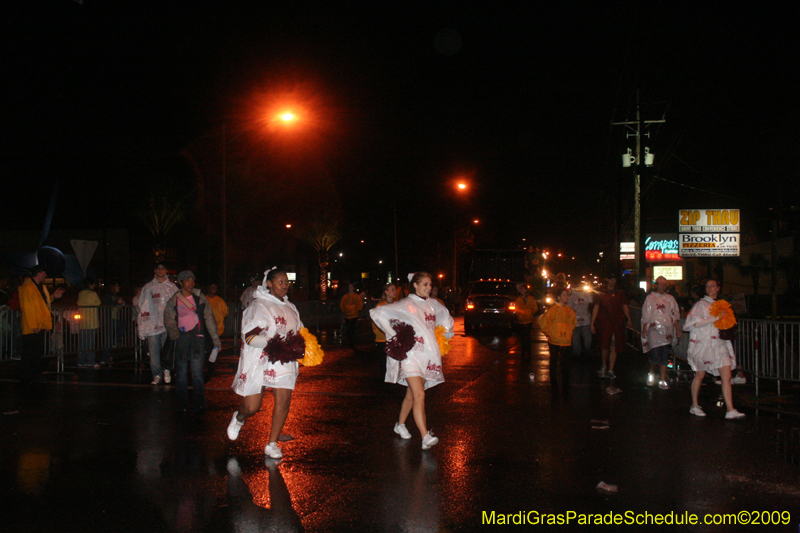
769	350
113	328
10	334
104	328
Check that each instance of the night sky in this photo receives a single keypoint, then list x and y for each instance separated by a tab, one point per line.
118	99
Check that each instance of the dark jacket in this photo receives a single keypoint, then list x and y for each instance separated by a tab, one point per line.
208	324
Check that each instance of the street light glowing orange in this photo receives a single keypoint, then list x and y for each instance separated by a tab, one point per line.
462	185
287	117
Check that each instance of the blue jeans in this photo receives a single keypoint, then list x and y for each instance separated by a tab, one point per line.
154	345
582	340
190	352
86	344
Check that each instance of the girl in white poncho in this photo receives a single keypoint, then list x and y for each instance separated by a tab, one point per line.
421	366
269	316
709	353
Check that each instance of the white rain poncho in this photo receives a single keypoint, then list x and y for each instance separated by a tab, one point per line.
247	297
580	301
424	359
152	301
266	316
660	312
707	352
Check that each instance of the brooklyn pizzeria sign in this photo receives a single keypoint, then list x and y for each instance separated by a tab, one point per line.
709	233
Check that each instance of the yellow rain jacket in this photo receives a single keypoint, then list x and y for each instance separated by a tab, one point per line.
89	301
380	336
526	310
350	305
35	309
558	323
220	310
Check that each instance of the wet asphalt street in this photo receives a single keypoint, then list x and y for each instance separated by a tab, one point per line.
102	450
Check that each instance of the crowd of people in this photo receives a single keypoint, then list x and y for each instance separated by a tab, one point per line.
604	314
180	327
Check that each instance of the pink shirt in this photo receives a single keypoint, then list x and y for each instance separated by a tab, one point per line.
187	316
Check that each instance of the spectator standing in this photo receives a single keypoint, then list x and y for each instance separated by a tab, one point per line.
387	297
608	323
435	295
114	327
34	303
190	322
558	324
247	296
351	304
525	311
581	302
218	307
89	302
150	320
660	330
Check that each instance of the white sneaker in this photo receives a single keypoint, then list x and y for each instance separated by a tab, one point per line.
697	411
733	414
234	427
273	451
401	430
167	377
428	441
738	380
651	379
233	467
663	385
602	372
156	380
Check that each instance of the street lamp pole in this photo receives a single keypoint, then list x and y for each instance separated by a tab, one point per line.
224	219
396	261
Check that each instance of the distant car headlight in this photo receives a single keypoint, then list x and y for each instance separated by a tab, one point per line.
512	306
470	304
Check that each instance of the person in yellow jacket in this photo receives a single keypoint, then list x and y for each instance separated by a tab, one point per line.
88	301
351	304
34	303
525	309
218	307
388	296
558	323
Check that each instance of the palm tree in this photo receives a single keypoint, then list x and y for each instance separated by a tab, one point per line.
163	212
322	235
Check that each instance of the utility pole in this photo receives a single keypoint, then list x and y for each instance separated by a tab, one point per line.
636	130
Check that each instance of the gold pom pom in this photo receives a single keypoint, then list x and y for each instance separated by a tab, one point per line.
313	355
444	342
721	309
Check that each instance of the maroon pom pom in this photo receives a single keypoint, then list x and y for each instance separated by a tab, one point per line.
285	349
398	346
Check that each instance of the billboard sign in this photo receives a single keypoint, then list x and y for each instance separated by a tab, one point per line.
671	273
709	245
708	221
661	247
